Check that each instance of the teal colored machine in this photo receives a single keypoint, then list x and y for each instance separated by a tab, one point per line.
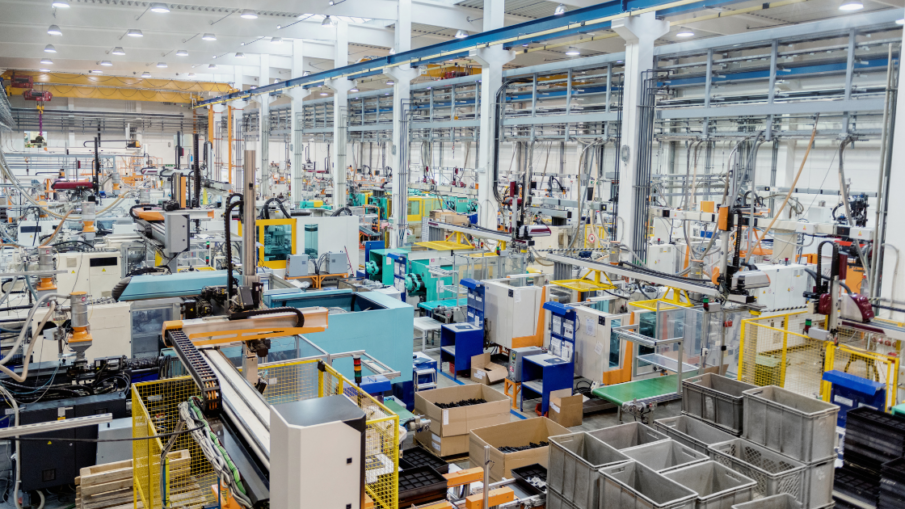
461	204
421	283
371	321
380	266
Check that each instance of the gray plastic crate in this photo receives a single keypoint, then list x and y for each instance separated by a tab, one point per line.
572	470
773	472
818	483
628	435
715	399
800	427
665	455
633	486
692	432
557	501
781	501
717	486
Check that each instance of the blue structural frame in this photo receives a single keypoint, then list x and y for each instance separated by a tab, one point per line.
572	22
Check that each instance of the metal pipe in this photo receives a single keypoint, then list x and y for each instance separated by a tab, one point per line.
883	181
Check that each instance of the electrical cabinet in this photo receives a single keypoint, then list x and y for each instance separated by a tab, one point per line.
510	311
94	272
663	258
787	286
597	350
110	331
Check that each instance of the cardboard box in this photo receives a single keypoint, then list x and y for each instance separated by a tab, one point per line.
513	434
565	409
452	422
445	446
485	372
448	216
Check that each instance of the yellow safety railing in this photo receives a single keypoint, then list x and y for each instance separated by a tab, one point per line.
770	346
872	366
154	411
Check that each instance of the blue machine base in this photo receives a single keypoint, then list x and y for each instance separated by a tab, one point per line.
405	392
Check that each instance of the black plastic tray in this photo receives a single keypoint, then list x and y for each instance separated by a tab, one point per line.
421	457
522	474
421	485
857	484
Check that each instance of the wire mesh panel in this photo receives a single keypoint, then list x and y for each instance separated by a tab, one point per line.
154	412
381	441
292	381
774	352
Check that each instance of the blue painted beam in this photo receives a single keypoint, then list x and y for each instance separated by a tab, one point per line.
449	49
787	72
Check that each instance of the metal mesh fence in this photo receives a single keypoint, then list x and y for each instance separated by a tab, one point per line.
155	411
773	351
882	367
189	483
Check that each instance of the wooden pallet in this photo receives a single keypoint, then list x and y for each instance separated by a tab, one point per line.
110	486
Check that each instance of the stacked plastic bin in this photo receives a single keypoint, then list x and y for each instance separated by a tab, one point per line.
787	445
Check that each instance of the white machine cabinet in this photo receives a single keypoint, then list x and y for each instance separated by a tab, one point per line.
95	272
510	311
596	349
663	258
787	286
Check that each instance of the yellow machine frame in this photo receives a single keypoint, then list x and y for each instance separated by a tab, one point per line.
261	224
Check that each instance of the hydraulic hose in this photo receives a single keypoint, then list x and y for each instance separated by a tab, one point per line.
31	314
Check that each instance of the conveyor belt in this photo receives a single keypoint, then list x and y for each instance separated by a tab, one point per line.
198	367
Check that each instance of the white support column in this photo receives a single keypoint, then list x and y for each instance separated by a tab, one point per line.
238	77
297	96
264	126
639	33
340	87
402	86
492	60
217	143
70	103
893	276
238	152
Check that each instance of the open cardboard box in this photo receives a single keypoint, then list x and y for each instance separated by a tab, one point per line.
513	434
450	422
485	372
449	217
565	409
445	446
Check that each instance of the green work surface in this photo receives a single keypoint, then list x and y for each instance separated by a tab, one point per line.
898	409
396	408
640	389
434	304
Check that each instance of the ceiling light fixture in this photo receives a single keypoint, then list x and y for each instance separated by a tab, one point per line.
44	70
898	22
851	5
240	55
161	65
191	75
327	22
118	51
276	40
392	51
353	90
560	9
106	63
182	53
208	37
159	8
134	32
572	52
685	33
212	66
390	82
146	74
54	30
461	34
95	71
49	49
249	14
324	94
60	4
46	61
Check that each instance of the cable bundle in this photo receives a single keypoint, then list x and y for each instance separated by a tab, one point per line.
190	412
